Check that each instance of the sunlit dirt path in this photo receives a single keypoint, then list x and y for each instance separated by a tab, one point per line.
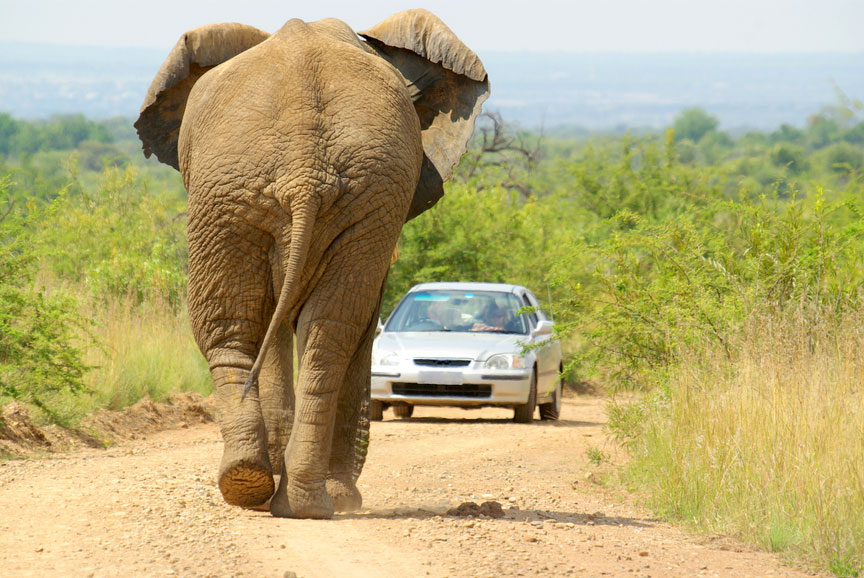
151	508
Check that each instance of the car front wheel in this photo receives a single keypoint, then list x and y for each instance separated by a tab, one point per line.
376	410
525	413
550	411
403	410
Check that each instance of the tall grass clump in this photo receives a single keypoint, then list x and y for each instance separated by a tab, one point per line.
138	351
147	351
767	444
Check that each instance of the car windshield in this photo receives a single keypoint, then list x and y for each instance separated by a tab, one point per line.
452	310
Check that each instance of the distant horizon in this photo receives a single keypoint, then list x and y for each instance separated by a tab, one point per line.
640	53
591	91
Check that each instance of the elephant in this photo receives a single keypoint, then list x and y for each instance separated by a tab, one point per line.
303	154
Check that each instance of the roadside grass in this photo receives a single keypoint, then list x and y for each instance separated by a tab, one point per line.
148	351
140	350
767	443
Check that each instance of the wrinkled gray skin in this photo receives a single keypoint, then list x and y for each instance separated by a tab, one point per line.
303	154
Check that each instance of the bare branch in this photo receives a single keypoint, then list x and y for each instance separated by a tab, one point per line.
497	146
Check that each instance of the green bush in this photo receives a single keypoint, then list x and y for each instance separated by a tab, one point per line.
789	156
843	158
41	333
62	132
655	288
121	240
471	235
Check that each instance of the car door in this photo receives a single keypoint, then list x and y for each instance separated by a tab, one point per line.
549	352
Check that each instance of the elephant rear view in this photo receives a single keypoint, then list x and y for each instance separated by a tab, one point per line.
304	153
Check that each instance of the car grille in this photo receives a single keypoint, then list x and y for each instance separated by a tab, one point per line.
442	390
442	362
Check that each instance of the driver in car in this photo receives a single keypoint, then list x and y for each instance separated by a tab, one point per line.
493	319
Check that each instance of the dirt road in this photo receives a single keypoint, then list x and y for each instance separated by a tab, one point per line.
151	508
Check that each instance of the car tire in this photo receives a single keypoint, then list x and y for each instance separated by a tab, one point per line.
552	410
525	413
403	410
376	410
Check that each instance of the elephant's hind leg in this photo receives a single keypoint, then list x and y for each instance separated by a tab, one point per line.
333	332
302	491
245	477
276	390
229	307
351	435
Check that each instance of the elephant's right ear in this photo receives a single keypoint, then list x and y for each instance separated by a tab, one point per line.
448	85
195	53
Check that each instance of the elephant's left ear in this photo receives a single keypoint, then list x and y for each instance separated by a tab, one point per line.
448	84
197	51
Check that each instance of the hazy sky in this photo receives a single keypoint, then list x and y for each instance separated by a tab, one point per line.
503	25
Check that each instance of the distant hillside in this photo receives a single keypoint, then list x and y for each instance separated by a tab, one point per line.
592	91
603	91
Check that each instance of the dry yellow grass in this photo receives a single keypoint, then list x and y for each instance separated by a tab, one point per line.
149	351
142	350
768	444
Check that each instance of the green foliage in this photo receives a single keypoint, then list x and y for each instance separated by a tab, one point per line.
855	135
694	124
97	232
122	240
844	567
842	157
596	456
787	134
790	156
822	130
40	332
658	287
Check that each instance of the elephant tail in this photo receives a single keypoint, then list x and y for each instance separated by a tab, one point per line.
302	226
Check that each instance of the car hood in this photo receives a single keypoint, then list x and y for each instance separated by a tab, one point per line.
450	345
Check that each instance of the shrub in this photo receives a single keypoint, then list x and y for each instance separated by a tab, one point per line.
790	156
40	332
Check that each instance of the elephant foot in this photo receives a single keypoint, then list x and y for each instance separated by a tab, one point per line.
346	496
246	483
292	500
245	475
265	507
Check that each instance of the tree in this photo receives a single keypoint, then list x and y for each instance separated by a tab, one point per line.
693	124
501	151
8	128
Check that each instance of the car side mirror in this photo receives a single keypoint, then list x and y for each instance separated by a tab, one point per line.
380	327
545	327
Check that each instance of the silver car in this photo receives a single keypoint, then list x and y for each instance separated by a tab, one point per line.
468	345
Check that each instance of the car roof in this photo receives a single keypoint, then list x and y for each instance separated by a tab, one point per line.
468	286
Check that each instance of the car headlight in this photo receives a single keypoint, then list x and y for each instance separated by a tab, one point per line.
505	361
385	358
